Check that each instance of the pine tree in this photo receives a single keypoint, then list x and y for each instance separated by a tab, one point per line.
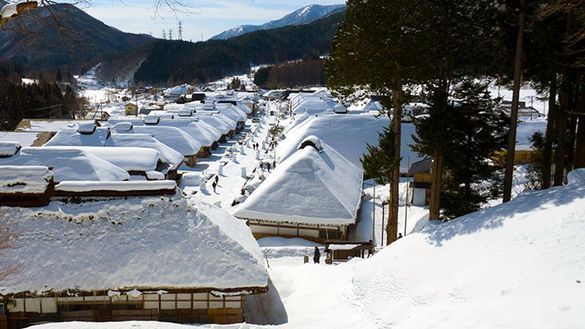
467	132
380	48
378	161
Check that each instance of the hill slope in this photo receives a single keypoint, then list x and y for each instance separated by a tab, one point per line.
300	16
178	61
62	36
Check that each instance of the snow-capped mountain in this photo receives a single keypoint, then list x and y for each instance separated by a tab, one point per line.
300	16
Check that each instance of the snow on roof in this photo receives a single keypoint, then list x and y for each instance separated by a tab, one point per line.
189	128
151	119
214	121
23	138
214	132
8	149
232	112
167	154
24	179
177	90
72	137
310	187
158	243
298	119
227	120
244	108
8	10
86	127
86	186
181	138
47	125
67	164
312	106
168	132
348	134
127	158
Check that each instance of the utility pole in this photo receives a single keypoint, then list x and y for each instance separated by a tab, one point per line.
515	100
180	30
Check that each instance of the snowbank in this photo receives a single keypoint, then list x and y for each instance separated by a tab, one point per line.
517	265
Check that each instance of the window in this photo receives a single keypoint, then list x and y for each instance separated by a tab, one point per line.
329	234
1	308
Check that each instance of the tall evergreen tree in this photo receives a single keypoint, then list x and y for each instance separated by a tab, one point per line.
379	49
468	132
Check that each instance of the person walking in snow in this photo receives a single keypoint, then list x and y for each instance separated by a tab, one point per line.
268	166
214	185
316	255
216	179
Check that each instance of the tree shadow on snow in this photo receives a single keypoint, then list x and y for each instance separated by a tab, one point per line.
494	217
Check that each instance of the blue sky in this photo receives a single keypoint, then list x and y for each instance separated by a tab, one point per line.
206	17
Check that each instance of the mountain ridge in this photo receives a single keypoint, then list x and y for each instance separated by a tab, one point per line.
301	16
62	37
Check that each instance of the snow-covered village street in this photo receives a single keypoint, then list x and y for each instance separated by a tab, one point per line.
371	164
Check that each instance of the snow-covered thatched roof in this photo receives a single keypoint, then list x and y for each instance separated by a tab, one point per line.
82	137
67	164
25	180
127	158
348	134
316	185
214	121
178	134
167	154
144	243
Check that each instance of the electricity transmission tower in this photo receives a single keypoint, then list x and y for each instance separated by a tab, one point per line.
180	30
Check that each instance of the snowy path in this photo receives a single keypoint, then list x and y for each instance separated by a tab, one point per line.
230	180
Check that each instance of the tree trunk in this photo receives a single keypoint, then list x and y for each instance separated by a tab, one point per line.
562	117
514	111
550	134
571	141
436	181
392	227
580	147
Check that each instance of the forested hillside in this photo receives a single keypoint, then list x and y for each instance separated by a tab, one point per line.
179	61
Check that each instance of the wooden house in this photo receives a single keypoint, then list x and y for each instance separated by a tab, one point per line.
94	262
421	185
315	194
131	109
